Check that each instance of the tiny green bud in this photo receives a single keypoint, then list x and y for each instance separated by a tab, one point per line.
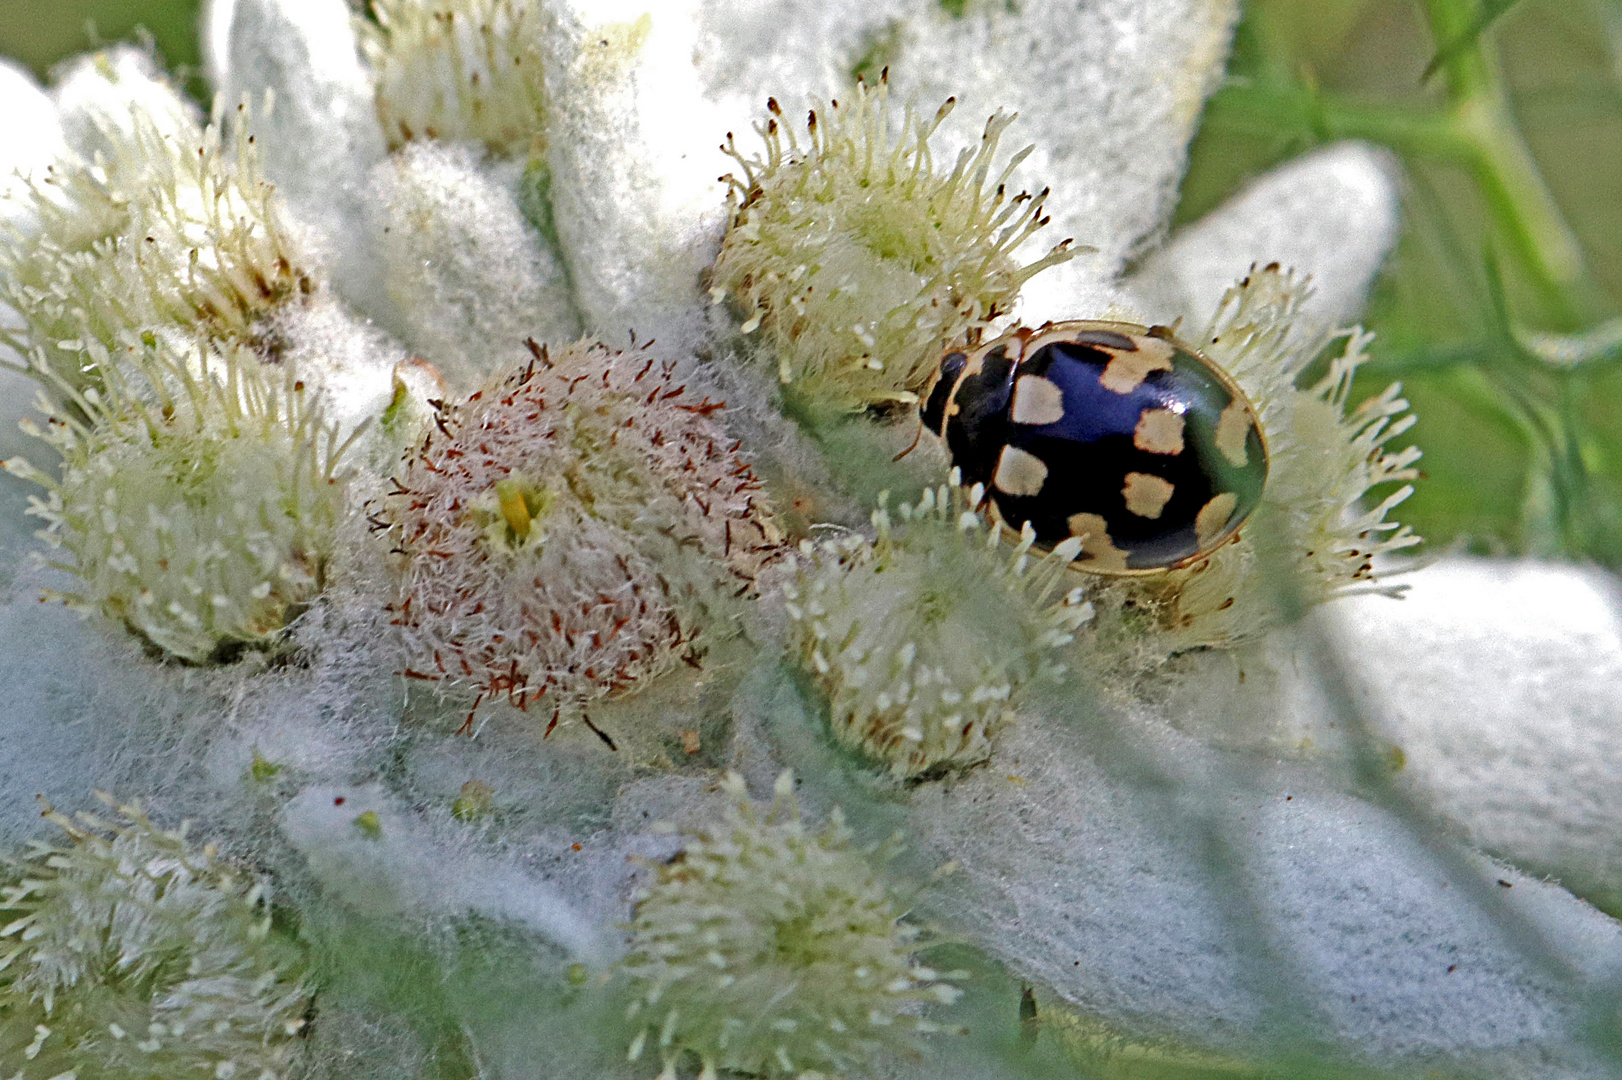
474	801
262	768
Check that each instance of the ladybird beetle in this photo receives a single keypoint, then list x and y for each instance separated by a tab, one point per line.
1117	433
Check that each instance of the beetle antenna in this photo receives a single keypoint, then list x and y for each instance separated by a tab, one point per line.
914	444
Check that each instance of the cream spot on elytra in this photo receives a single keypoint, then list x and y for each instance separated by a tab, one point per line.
1037	401
1126	370
1213	518
1146	495
1098	551
1159	431
1019	473
1233	429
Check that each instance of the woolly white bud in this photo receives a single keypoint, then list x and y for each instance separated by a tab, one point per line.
966	612
905	259
820	974
126	923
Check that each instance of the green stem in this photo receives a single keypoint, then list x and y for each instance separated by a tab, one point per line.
1523	207
1412	132
1504	170
1467	73
1478	134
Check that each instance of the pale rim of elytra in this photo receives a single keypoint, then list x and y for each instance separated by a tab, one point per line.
1030	341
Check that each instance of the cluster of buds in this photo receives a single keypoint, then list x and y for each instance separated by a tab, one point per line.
770	949
565	532
199	492
199	495
858	260
130	952
160	224
925	638
458	70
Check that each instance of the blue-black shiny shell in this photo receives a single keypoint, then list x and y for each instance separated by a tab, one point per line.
933	410
1084	448
976	418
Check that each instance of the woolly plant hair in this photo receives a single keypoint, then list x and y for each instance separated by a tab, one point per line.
565	532
457	70
774	950
925	638
199	495
129	953
858	260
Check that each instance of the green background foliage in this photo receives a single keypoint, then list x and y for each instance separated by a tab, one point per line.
39	33
1499	312
1520	454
